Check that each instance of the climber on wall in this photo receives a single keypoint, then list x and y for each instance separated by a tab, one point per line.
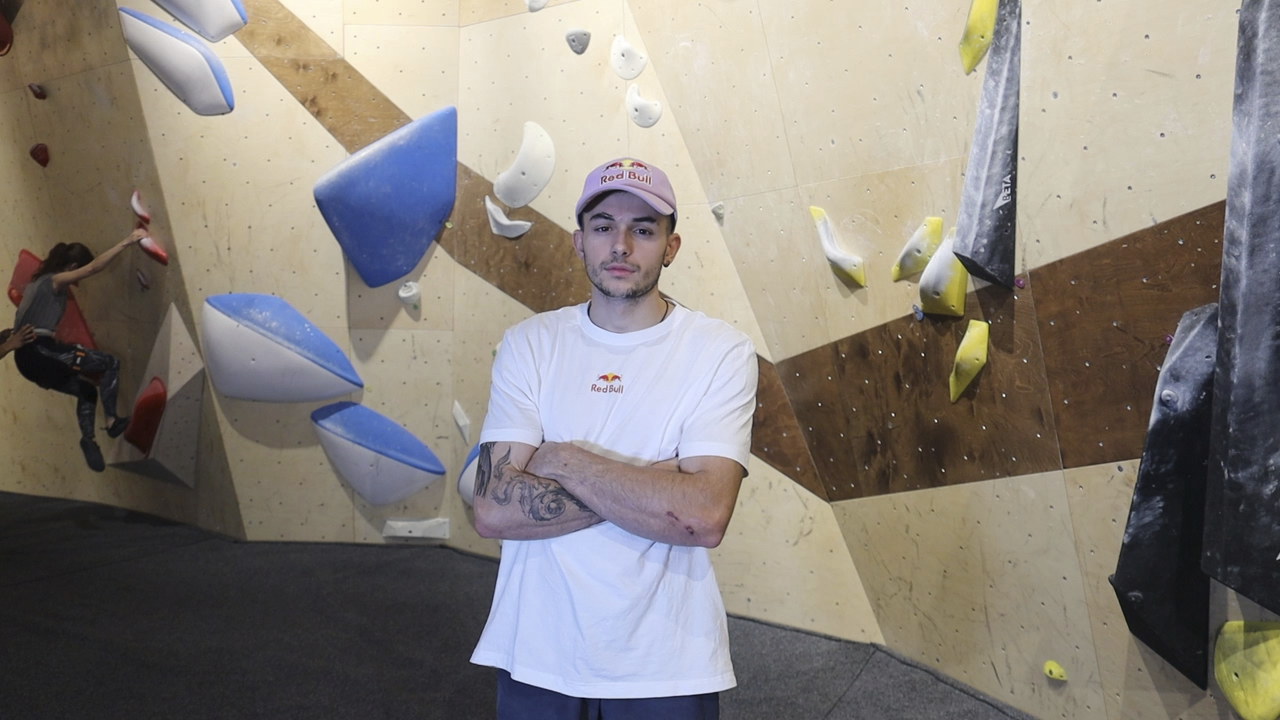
58	366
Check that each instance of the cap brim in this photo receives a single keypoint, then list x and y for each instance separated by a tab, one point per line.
653	201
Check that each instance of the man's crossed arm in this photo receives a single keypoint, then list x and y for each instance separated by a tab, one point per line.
527	493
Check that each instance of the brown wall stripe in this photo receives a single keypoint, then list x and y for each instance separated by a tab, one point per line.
876	411
1104	315
776	437
539	270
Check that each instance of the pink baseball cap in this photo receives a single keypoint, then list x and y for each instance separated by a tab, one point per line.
640	179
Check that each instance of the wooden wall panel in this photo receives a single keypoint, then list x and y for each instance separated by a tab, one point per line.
1104	315
876	411
776	437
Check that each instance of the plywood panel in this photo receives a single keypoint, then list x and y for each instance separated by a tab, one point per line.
24	191
346	103
539	269
417	67
1136	682
981	581
714	63
776	437
519	69
800	302
408	378
703	276
324	17
876	409
1126	118
1103	317
784	561
381	308
482	314
286	486
401	12
869	86
56	39
95	127
238	191
478	11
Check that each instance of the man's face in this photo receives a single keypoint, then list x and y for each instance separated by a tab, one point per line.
623	244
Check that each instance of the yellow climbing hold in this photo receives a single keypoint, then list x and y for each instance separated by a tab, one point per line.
922	245
1054	670
847	264
971	357
944	281
1246	662
978	31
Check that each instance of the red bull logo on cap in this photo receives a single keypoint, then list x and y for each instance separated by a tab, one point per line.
633	170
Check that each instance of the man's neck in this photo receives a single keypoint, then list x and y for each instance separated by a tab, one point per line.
624	316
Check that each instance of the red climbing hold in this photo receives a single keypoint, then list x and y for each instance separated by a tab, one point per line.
40	153
38	91
153	249
6	36
148	410
139	209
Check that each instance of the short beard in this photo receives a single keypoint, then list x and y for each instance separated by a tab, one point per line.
646	286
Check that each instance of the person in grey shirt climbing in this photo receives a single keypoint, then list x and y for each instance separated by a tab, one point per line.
58	366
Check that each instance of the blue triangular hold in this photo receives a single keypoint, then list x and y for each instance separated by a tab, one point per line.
272	317
374	431
386	203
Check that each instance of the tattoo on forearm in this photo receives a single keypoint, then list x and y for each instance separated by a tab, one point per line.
541	500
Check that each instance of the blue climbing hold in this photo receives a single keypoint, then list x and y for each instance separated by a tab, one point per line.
386	203
381	460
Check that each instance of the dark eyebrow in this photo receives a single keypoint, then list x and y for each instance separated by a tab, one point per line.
606	216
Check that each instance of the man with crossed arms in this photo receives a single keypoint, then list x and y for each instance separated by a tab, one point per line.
616	440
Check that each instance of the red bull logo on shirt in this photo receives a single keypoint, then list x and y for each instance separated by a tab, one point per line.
613	384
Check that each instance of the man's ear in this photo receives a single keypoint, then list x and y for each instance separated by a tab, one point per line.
673	247
577	244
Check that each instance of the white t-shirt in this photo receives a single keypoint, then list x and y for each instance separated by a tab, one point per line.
603	613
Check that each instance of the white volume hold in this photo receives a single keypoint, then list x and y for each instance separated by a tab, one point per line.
626	60
531	171
645	113
535	5
501	225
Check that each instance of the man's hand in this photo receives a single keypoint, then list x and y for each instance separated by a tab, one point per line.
11	340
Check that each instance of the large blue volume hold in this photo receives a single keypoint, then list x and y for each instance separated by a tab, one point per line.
272	317
374	431
386	203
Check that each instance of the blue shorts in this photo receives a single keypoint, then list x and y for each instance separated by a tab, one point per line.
518	701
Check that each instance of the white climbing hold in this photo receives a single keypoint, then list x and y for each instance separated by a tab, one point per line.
531	171
535	5
645	113
410	294
848	265
464	422
501	225
578	40
718	211
626	60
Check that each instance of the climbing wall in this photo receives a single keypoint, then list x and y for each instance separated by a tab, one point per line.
975	536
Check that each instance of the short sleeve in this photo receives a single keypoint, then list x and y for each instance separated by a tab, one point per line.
513	395
720	425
